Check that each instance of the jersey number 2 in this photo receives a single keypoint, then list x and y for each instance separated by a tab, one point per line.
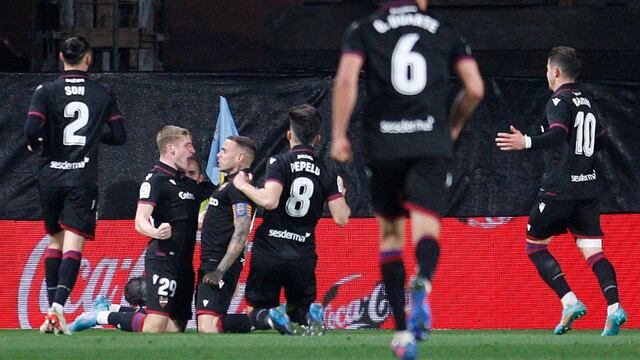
69	136
300	200
408	68
585	134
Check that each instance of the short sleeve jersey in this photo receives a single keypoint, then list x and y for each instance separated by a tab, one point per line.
218	226
408	58
288	231
175	200
74	109
569	168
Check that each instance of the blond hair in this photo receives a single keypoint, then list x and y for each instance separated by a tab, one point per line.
169	135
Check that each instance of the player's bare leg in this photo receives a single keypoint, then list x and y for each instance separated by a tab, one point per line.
425	228
155	323
603	269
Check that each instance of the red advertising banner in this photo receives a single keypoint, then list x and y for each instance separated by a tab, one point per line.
484	279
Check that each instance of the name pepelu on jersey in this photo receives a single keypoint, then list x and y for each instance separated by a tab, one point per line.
305	166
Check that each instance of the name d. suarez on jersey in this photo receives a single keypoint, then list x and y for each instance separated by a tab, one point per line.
406	16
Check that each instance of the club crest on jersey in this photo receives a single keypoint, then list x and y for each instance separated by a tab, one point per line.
541	206
145	190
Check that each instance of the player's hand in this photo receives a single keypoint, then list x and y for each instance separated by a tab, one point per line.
510	141
241	179
341	149
455	132
164	231
213	278
341	188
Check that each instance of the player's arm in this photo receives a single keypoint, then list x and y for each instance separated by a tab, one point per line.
33	128
556	135
144	226
469	97
116	133
242	223
345	95
267	197
338	207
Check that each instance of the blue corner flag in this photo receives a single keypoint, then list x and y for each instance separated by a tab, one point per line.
225	127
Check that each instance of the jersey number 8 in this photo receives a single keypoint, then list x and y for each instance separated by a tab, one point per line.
300	200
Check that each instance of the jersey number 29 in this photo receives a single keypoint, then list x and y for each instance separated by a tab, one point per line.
408	68
69	136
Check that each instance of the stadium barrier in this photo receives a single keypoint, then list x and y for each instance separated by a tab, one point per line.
484	279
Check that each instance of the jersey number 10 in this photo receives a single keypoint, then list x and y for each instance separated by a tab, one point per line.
585	134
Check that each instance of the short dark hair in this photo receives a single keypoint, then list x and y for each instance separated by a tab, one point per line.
565	58
74	49
135	291
305	122
246	144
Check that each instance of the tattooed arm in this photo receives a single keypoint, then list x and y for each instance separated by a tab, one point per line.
242	224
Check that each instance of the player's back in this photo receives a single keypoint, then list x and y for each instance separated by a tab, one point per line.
408	58
289	230
75	110
569	169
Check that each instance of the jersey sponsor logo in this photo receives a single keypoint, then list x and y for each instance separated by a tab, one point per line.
583	177
145	190
65	165
409	17
577	101
284	234
555	101
185	195
305	166
405	126
213	201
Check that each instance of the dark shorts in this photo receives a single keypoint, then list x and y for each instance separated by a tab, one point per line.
552	216
71	208
163	288
182	310
269	274
215	300
399	186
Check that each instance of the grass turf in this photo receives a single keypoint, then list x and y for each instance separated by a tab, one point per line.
361	344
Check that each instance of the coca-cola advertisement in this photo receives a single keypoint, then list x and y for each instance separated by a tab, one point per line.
484	279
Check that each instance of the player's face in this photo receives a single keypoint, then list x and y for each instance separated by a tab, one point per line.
193	171
229	156
183	151
551	79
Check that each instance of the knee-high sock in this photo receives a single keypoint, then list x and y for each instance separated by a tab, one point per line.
52	261
67	275
235	323
393	277
127	321
427	255
259	319
548	268
606	275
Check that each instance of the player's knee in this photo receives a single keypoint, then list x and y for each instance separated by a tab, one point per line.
209	324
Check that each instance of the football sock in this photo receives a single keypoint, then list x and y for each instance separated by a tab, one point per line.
67	275
259	319
427	254
612	308
126	321
298	314
569	299
606	275
548	268
52	261
235	323
393	277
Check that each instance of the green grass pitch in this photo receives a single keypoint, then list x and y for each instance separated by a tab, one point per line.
361	344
